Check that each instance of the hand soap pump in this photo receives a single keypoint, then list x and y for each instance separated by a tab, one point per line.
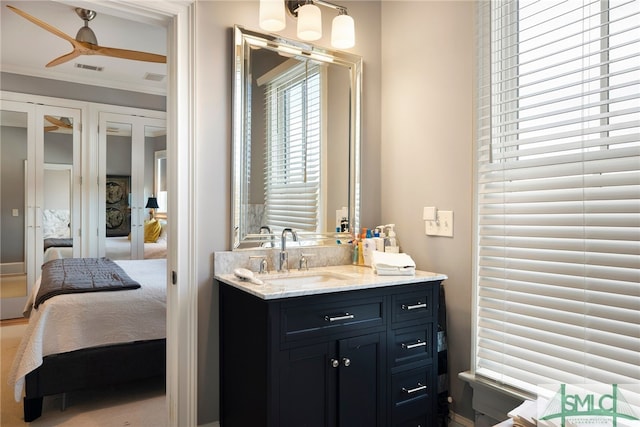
393	242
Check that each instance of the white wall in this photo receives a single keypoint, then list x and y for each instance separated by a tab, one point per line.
426	152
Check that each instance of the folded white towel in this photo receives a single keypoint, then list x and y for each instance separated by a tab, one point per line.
392	264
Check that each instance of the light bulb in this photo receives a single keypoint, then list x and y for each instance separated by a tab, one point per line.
272	15
343	32
309	22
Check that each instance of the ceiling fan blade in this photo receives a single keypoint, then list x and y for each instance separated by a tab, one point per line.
43	25
128	54
58	122
64	58
50	128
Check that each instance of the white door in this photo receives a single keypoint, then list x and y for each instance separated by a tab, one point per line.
29	138
129	143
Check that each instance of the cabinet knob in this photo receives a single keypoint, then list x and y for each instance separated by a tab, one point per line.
334	363
346	361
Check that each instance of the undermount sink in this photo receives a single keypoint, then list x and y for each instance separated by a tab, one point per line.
305	278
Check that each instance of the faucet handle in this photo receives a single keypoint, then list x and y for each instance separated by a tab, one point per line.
303	263
263	266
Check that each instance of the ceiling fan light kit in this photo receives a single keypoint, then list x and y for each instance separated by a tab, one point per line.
86	42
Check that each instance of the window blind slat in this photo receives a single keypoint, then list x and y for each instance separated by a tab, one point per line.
557	273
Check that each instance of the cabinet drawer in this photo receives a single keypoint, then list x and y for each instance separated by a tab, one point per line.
409	345
413	305
423	420
307	321
412	394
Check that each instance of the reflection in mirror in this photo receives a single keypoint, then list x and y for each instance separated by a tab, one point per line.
118	191
160	186
57	183
155	163
13	157
296	143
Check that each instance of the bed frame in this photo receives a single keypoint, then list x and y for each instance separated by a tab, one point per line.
92	368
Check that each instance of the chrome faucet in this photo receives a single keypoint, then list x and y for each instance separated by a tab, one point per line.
284	257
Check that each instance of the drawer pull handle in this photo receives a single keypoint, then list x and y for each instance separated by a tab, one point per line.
415	306
418	343
336	318
419	387
346	362
335	363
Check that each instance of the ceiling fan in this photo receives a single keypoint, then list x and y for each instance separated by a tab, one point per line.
86	43
62	122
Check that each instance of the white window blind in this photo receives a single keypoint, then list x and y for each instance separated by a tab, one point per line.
292	175
558	193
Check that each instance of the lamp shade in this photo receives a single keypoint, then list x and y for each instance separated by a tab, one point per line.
152	203
309	22
343	32
272	15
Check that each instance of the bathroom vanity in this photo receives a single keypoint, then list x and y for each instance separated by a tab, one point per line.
333	346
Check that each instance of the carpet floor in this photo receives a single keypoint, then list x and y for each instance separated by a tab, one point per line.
137	404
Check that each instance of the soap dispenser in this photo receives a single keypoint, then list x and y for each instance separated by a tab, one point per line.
393	242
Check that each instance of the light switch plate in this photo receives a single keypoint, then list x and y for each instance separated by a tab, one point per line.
442	227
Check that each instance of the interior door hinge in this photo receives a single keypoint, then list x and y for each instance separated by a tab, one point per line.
174	277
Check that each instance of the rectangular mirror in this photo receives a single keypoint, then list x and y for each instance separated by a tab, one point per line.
296	141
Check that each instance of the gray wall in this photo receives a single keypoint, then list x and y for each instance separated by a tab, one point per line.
13	153
67	90
427	152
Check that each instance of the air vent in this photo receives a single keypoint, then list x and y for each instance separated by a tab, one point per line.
89	67
154	77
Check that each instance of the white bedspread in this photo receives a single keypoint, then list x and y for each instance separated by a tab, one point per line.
74	321
115	248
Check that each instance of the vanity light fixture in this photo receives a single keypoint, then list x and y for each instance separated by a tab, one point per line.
309	20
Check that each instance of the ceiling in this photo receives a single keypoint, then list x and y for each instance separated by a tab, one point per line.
25	47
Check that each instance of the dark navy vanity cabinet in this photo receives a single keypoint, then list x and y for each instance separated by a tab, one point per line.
354	358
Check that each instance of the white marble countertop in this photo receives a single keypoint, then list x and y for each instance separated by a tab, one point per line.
322	280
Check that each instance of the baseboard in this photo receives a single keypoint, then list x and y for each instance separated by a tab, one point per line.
12	268
456	420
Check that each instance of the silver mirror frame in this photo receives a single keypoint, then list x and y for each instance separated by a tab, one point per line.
244	40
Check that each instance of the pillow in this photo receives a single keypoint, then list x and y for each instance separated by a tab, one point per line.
163	233
152	229
56	223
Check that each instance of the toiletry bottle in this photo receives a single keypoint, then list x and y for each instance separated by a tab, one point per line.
378	235
360	253
393	242
369	246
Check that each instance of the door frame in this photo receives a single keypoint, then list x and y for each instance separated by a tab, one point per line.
182	259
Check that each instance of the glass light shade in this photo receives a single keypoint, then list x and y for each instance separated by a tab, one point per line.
309	22
272	15
343	34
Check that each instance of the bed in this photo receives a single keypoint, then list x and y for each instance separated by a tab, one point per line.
86	340
117	248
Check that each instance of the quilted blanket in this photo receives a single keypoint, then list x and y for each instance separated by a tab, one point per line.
75	275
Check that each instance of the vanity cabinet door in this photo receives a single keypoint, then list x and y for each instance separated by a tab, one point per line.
361	380
306	386
337	383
